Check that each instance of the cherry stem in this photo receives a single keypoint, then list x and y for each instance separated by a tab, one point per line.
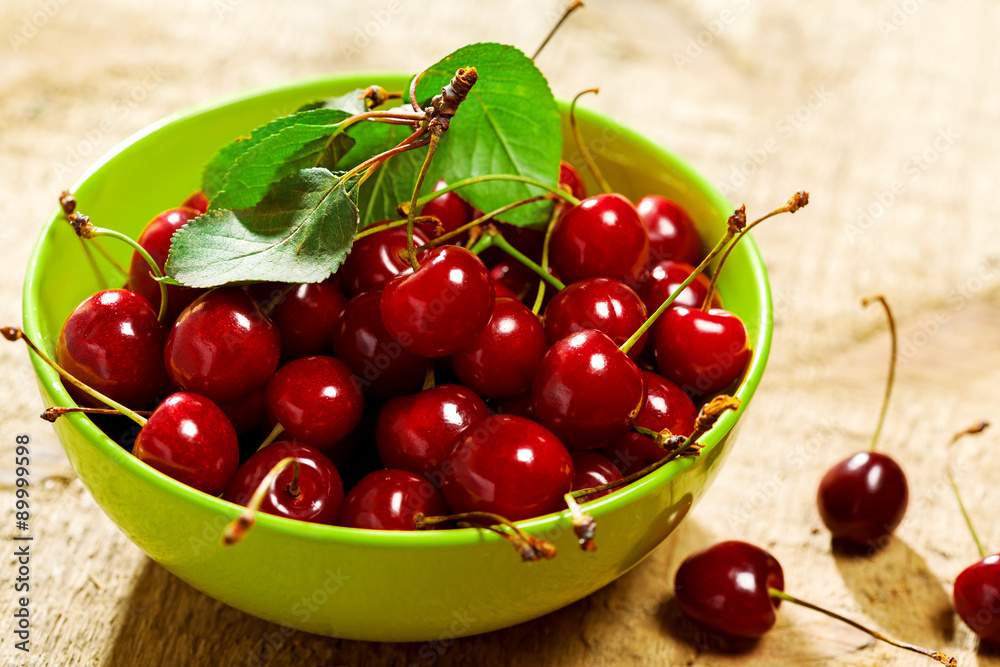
413	91
67	202
892	364
411	211
554	189
375	229
529	547
735	224
93	264
797	201
972	430
936	655
272	436
429	379
369	165
238	527
584	151
500	242
556	212
52	414
709	414
584	526
13	334
480	220
575	5
659	437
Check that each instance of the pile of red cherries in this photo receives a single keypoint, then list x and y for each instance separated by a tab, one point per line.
425	391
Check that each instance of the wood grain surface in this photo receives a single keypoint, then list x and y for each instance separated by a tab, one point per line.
886	111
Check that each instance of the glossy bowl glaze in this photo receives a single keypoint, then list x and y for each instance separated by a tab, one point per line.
355	584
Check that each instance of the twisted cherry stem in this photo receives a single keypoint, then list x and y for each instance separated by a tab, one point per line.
486	217
272	436
238	527
972	430
575	5
736	223
54	413
935	655
527	180
588	159
14	334
797	201
529	547
546	242
891	380
497	240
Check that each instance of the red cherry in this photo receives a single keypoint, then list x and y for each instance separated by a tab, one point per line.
438	309
509	466
702	352
389	499
569	176
665	277
602	237
198	201
667	407
308	317
863	498
593	469
189	438
416	433
320	490
113	343
587	391
514	276
383	367
610	306
376	259
155	239
519	405
725	587
316	399
223	346
672	234
977	597
450	209
502	358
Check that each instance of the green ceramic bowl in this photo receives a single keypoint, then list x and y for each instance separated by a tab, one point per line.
356	584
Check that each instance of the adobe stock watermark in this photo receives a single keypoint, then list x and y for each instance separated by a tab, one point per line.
121	107
900	15
714	28
34	22
365	34
912	170
784	128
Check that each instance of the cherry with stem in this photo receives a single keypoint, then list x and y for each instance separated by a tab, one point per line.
584	151
546	243
67	202
54	413
238	527
529	547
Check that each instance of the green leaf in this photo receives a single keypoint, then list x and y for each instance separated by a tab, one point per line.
279	155
352	102
213	177
509	124
301	232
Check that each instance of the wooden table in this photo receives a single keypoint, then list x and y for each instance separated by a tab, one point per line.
885	111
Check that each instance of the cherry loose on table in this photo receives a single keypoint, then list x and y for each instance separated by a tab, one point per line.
376	259
223	346
113	343
701	352
672	233
389	499
155	238
977	597
190	439
863	499
604	304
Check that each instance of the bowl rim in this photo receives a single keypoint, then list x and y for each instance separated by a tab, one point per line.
555	521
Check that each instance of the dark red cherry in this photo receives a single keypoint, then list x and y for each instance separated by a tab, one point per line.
450	209
604	304
389	499
319	494
376	259
508	466
725	588
665	277
593	469
502	358
190	439
308	317
863	499
440	307
155	239
316	399
198	201
977	597
515	276
113	343
223	346
667	407
416	433
246	413
702	352
519	405
383	367
602	237
569	176
672	234
587	391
